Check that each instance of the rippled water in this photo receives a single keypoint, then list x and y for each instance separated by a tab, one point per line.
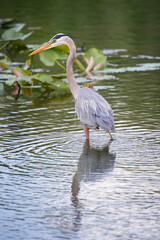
54	185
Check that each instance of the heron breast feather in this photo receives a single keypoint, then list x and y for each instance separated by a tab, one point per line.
92	113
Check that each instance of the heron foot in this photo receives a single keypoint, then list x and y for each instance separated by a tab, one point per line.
110	136
86	131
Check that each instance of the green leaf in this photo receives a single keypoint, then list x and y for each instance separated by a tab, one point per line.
47	58
11	81
21	80
60	85
5	62
17	26
26	79
4	65
20	71
59	76
59	54
43	78
11	34
64	48
98	56
57	84
50	56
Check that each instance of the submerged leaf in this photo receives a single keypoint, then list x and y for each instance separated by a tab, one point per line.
18	45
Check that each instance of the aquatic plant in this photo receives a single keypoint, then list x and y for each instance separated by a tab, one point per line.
25	75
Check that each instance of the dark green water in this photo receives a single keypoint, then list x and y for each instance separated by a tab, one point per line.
55	186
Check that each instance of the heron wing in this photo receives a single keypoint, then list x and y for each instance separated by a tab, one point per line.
93	110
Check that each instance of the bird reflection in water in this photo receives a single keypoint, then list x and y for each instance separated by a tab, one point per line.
93	164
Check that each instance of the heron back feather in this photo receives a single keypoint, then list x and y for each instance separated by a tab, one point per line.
93	110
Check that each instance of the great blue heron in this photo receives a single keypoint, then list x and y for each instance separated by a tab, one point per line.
92	109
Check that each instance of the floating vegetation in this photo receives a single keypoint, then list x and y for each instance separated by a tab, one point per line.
138	68
12	39
24	75
95	59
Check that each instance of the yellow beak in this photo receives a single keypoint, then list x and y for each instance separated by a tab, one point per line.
44	47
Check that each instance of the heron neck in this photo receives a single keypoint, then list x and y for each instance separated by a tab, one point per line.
70	74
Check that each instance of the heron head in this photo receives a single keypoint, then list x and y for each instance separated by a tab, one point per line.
55	41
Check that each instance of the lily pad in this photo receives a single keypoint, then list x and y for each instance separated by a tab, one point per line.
11	34
17	26
60	85
11	81
18	72
50	56
63	48
23	80
98	57
43	78
52	83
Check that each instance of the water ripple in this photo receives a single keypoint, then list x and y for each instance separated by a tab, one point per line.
52	182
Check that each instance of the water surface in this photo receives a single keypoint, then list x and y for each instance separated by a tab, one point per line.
54	185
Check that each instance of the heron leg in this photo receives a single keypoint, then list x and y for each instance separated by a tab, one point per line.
86	131
110	135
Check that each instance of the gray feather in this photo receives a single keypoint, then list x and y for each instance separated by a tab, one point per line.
93	110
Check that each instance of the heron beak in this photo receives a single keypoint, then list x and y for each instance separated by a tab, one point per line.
44	47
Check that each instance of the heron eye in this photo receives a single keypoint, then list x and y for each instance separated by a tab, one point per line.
52	41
